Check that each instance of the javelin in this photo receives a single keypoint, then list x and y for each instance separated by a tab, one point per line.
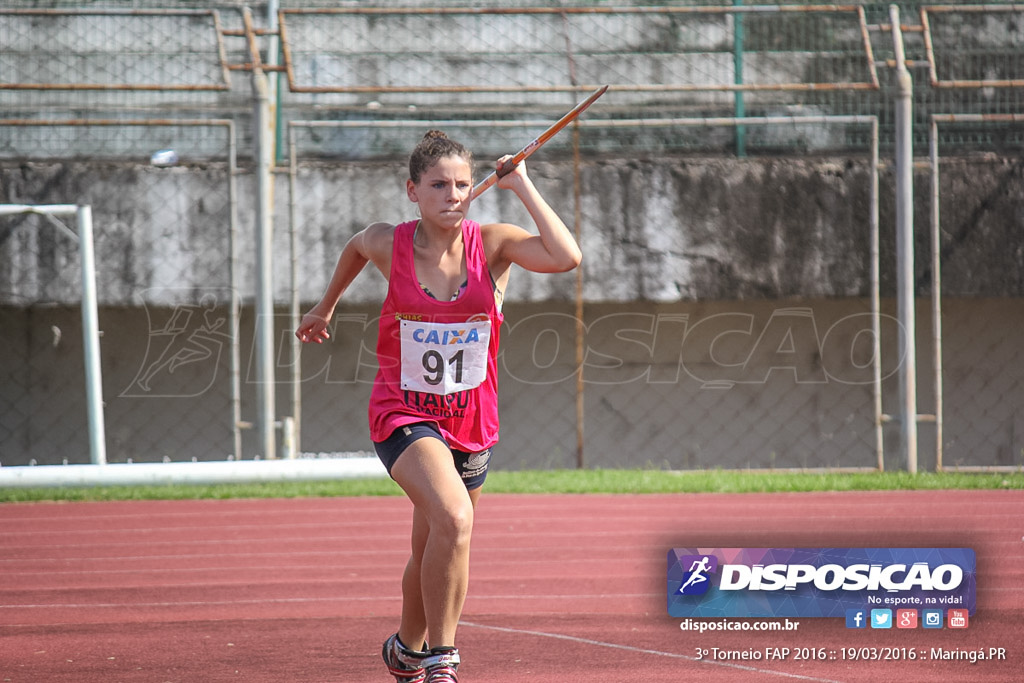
510	164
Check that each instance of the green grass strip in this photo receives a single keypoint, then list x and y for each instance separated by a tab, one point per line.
551	482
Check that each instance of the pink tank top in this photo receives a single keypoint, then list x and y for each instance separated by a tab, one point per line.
438	359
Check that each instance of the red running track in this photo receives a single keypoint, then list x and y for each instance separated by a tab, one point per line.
563	588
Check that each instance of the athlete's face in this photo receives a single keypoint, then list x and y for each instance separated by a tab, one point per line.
443	192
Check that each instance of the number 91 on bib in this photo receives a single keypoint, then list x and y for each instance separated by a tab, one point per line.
444	358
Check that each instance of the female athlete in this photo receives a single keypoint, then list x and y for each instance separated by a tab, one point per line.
433	409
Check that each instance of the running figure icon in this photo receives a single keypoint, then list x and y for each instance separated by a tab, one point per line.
698	573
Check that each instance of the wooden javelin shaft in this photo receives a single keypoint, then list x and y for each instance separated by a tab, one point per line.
510	164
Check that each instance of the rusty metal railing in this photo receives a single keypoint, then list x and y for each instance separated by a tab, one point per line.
1013	15
290	46
146	18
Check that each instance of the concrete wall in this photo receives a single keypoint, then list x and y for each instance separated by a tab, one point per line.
668	243
656	230
732	384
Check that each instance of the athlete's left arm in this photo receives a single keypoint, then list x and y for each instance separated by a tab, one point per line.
552	250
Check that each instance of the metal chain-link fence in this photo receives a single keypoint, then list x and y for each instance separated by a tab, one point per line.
164	281
694	351
656	389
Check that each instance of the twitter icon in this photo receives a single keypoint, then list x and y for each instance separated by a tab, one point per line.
881	618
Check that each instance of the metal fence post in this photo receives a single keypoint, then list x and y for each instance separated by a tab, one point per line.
91	339
905	244
263	123
737	62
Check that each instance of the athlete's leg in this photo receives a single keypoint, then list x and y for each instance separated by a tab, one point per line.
414	622
437	575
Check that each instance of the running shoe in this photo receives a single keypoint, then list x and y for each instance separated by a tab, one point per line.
404	664
441	664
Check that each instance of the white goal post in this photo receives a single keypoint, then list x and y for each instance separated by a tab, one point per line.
90	317
317	469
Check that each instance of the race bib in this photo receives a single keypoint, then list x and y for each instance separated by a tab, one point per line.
444	358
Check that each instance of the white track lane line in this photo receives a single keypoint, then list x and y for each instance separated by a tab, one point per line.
640	650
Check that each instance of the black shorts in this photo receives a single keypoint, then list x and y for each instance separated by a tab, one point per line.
472	467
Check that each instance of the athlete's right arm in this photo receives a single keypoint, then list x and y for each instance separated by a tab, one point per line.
370	244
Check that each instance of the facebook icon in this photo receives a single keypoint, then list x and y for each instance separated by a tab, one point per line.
856	618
